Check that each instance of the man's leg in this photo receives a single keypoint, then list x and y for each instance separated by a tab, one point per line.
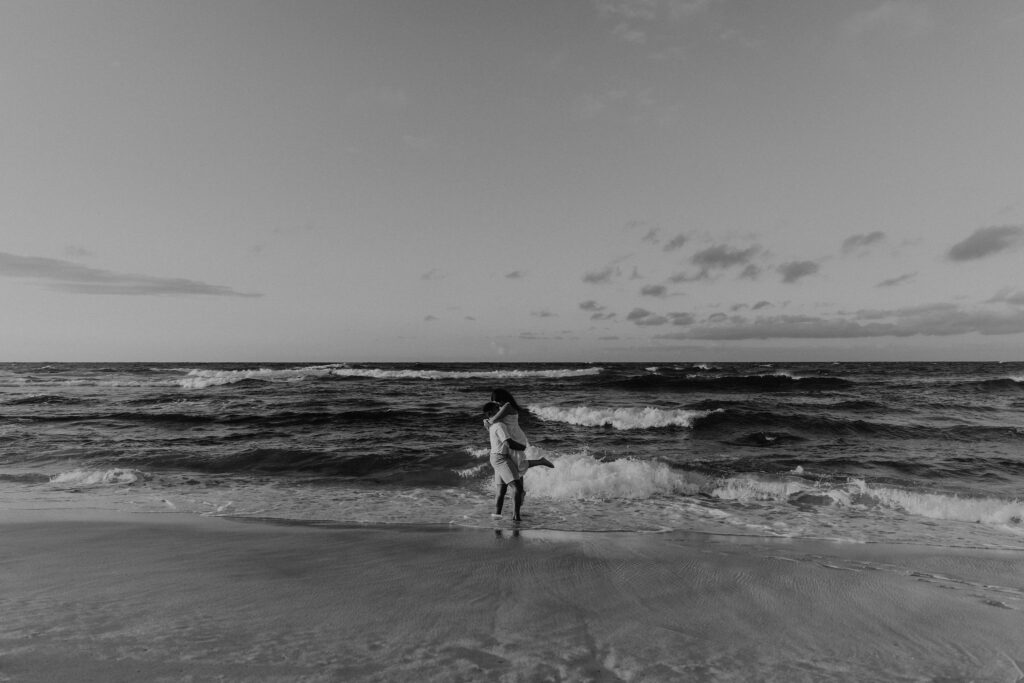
499	501
517	500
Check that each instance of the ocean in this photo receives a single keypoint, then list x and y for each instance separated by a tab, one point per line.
927	454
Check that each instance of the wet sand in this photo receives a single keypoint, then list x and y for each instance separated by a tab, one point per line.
108	597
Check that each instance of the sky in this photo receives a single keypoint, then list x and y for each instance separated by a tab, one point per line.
512	180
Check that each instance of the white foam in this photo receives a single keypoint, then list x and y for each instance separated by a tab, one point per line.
748	488
985	510
86	477
200	379
578	476
619	418
856	492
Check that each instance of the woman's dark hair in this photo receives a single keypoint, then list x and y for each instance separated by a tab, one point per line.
504	396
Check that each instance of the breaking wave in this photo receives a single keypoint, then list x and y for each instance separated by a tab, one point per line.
579	476
375	373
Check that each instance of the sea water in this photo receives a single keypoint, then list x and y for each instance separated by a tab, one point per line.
910	453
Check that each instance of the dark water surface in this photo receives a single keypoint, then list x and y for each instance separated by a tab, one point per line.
905	452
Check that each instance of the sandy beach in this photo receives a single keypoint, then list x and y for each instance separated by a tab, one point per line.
106	597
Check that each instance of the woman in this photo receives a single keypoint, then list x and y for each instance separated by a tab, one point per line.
509	415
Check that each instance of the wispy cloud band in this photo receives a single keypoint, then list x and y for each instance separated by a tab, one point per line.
67	276
939	320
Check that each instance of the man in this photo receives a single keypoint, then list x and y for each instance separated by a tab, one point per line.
505	471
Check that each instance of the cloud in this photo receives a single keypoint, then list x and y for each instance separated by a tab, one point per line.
534	336
892	282
720	257
652	236
682	318
641	316
723	256
432	274
750	272
794	270
72	277
600	277
985	242
855	242
939	320
654	290
515	275
542	314
596	310
676	242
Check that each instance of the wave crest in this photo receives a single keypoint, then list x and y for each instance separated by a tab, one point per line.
620	418
201	378
984	510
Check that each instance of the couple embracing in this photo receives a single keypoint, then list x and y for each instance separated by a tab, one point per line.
508	450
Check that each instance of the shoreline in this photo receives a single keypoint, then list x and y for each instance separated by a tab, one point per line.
107	596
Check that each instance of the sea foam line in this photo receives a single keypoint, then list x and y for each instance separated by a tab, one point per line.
87	477
201	378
